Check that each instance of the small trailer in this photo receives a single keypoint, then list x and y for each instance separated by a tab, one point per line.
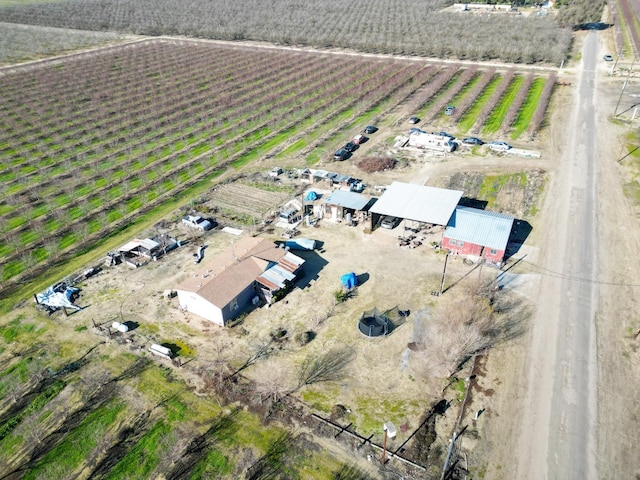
430	141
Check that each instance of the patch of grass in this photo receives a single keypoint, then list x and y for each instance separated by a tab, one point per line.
491	185
74	448
528	108
318	400
185	350
14	329
371	413
212	465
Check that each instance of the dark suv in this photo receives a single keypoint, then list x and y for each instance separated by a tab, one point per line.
350	147
341	154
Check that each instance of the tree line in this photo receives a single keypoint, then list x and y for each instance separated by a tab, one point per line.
376	26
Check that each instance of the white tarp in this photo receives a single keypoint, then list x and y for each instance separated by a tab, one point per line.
58	296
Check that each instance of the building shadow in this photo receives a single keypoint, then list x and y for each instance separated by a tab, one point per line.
473	203
313	265
520	231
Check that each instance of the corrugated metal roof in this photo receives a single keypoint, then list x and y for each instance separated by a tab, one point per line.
345	199
480	227
275	275
418	203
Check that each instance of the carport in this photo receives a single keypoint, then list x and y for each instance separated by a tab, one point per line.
418	203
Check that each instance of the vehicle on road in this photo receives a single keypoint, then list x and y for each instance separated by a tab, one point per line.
413	120
449	110
608	58
472	141
370	129
389	222
499	146
196	221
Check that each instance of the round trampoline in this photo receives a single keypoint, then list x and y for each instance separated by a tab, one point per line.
373	324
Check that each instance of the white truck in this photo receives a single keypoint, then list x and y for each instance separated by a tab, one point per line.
441	143
196	221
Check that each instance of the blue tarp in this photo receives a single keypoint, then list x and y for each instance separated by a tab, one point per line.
349	280
311	196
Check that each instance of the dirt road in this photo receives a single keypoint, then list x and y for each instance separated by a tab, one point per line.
558	427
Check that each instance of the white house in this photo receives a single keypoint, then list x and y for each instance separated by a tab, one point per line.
251	270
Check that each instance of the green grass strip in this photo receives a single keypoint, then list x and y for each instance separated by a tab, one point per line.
469	118
528	108
37	404
76	446
463	93
497	116
140	461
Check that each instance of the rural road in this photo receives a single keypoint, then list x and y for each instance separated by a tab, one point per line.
558	435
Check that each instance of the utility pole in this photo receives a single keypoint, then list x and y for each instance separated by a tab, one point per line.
624	87
444	272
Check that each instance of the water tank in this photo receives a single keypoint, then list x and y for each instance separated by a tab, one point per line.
121	327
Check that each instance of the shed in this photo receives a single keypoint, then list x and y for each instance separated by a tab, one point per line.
478	233
418	203
342	203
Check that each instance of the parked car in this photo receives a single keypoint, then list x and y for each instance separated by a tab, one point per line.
413	120
389	222
499	146
275	172
449	110
608	58
472	141
445	134
341	154
196	221
415	130
350	147
359	139
370	129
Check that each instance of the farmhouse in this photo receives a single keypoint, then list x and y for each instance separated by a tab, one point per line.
478	233
251	270
418	203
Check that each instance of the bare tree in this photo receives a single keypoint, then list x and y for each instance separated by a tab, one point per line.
469	324
273	380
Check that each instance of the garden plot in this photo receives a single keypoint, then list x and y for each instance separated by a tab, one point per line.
246	203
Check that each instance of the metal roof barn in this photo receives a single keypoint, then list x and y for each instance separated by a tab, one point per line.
480	227
418	203
345	199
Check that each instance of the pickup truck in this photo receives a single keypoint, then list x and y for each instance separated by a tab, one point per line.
196	221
